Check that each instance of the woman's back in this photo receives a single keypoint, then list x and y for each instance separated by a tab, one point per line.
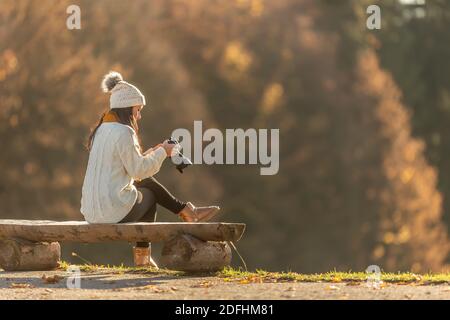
115	161
108	192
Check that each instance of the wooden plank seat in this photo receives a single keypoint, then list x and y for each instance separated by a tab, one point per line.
34	244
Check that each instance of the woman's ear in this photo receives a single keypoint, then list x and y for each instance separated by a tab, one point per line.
136	110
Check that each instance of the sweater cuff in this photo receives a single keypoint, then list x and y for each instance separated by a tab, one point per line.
160	153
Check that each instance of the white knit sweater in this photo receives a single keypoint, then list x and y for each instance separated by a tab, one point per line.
115	161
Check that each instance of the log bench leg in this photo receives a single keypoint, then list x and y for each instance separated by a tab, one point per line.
23	255
187	253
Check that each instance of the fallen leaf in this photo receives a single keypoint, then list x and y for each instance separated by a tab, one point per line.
333	287
417	277
151	287
290	289
51	279
147	287
353	283
203	284
21	285
257	279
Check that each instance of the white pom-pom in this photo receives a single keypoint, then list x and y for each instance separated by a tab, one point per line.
110	80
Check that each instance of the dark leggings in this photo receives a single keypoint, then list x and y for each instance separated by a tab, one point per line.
162	195
153	193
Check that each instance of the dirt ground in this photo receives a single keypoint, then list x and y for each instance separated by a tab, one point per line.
108	285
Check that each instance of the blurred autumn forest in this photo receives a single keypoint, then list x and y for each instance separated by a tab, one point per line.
363	116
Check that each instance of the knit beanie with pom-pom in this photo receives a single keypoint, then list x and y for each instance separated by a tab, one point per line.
123	94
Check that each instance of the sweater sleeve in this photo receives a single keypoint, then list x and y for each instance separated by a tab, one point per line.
137	165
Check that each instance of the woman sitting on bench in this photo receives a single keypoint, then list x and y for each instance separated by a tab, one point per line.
119	185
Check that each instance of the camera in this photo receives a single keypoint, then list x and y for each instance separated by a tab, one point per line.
179	159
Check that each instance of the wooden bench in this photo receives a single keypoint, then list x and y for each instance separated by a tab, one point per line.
34	244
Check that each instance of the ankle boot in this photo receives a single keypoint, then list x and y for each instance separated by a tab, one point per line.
191	213
143	257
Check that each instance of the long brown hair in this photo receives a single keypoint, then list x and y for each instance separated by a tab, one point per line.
125	116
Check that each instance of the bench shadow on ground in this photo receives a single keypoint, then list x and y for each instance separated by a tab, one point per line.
87	281
97	281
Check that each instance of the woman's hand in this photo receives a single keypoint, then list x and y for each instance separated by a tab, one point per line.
171	148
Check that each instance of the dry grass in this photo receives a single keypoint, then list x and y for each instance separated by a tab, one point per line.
259	276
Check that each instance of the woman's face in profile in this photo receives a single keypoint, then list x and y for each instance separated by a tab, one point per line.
137	112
